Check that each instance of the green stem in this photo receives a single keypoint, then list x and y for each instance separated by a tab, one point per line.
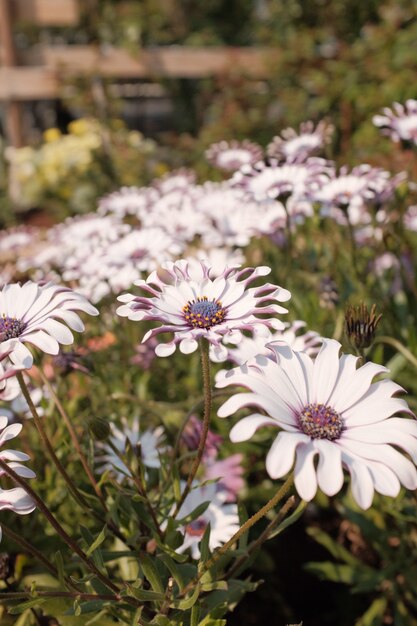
281	493
21	595
398	346
45	439
57	526
34	552
74	438
140	487
264	536
205	366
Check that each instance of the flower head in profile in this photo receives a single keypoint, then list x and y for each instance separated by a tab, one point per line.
231	155
291	145
330	409
222	517
264	181
13	359
147	442
16	499
400	122
40	315
249	347
192	305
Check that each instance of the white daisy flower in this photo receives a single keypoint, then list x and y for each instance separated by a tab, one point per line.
273	180
399	124
149	442
330	409
292	145
231	155
192	306
30	314
222	517
16	499
249	347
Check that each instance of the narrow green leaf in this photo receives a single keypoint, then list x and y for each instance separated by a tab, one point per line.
97	542
173	569
187	603
291	519
195	615
145	595
373	616
204	545
150	571
215	586
19	608
59	562
335	549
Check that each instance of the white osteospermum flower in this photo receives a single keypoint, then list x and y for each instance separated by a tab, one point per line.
149	442
16	499
290	144
249	347
30	314
330	409
13	358
399	124
222	517
230	155
193	306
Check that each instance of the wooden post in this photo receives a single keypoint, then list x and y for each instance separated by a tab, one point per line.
13	108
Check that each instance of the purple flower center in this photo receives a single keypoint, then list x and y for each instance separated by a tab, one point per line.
203	313
320	421
196	528
10	327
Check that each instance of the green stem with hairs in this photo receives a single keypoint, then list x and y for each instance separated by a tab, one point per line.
74	438
57	526
280	494
264	536
205	366
34	552
45	439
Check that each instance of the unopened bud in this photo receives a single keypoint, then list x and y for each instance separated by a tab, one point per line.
99	428
360	325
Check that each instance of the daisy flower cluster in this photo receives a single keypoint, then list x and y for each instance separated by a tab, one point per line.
185	259
266	193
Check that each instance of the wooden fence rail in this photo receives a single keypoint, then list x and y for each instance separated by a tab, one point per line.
39	73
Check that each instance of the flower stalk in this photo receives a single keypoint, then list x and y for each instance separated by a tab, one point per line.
57	526
45	439
280	494
205	367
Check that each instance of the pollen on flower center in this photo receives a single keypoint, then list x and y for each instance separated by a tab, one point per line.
203	313
10	327
320	421
196	528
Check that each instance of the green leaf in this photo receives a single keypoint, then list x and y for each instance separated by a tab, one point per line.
193	515
335	549
97	542
291	519
151	572
145	595
361	580
59	562
28	604
91	606
217	585
174	570
204	544
373	616
187	603
195	615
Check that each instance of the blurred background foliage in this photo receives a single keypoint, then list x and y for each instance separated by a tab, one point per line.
339	60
